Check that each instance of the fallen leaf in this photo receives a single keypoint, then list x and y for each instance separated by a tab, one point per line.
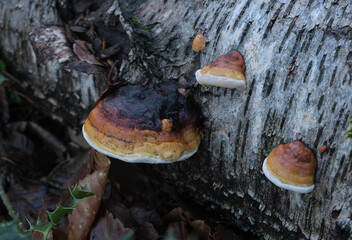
27	199
202	228
178	230
82	52
97	45
142	215
78	29
69	172
175	215
82	217
111	51
148	232
85	67
108	227
120	211
18	147
223	233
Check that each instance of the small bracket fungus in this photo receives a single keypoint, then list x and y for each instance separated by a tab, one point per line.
291	166
226	71
323	148
150	124
198	43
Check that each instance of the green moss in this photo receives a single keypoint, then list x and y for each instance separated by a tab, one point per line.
135	20
349	131
138	24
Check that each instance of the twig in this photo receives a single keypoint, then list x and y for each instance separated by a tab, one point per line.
18	83
109	82
7	160
9	76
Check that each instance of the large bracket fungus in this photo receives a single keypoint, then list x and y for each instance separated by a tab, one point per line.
226	71
150	124
291	166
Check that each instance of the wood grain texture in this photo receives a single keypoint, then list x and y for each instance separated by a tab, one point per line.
298	69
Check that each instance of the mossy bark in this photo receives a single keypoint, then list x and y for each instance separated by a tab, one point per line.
298	67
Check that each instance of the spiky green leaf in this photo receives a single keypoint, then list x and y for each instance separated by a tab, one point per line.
15	98
2	78
12	231
79	194
59	212
40	226
2	65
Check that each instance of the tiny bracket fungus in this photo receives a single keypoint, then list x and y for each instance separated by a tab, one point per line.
198	43
150	124
323	148
291	166
226	71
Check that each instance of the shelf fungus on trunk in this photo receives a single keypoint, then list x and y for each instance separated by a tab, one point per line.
226	71
150	124
198	43
291	166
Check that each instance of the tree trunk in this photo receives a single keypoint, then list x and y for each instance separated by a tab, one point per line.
298	58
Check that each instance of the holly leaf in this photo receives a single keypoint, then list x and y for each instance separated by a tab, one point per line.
40	226
2	65
78	194
59	212
2	78
11	231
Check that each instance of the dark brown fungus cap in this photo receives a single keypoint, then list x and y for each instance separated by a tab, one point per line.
151	124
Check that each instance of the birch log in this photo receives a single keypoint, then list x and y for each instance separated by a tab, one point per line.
298	58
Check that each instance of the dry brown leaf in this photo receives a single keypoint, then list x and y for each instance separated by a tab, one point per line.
175	215
27	199
82	217
178	229
223	233
85	67
142	215
202	228
148	232
82	52
121	212
18	147
109	227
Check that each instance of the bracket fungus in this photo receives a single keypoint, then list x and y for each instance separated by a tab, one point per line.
198	43
226	71
291	166
150	124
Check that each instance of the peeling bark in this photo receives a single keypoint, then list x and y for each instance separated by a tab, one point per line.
298	68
